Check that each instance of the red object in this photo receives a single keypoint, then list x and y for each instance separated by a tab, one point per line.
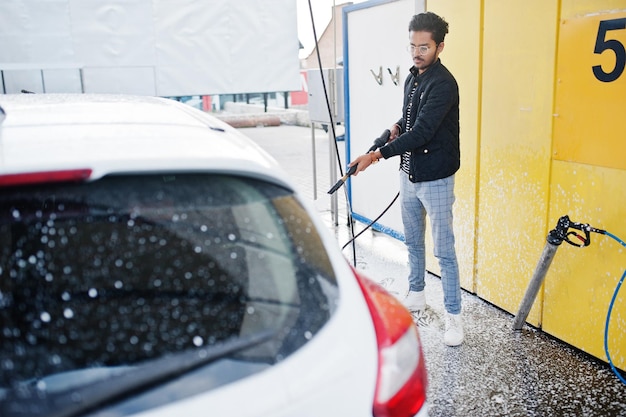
206	103
44	177
302	96
402	381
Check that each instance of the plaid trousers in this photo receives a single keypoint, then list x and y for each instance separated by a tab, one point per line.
435	199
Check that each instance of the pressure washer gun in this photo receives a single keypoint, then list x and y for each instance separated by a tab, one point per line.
378	142
562	233
556	236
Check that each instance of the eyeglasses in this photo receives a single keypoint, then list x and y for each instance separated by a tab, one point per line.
421	50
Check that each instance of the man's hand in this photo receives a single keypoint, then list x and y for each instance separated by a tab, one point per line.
394	132
364	161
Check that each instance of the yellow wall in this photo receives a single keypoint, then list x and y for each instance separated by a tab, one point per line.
542	137
461	54
581	281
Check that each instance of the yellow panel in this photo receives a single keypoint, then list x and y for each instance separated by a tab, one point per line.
591	89
515	146
581	281
572	8
462	57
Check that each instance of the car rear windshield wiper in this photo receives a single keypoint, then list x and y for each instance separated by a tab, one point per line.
29	401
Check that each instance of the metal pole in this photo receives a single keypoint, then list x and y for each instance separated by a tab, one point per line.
313	155
332	143
82	80
541	270
333	176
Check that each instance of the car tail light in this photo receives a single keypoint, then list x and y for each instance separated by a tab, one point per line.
44	177
402	380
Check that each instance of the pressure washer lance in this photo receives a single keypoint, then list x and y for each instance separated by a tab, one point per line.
556	236
379	142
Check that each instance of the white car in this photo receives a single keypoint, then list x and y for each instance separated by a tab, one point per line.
156	262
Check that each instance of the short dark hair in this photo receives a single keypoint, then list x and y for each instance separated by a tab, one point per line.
429	22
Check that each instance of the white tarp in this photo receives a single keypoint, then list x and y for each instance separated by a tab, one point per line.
151	47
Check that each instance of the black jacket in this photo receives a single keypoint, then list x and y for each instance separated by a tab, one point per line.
434	138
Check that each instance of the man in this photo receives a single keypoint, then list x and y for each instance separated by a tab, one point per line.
427	140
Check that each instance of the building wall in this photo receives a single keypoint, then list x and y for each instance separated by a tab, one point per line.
543	137
330	42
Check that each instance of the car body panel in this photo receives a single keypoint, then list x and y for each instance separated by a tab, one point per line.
143	131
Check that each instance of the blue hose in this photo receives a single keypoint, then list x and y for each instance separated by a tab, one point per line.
608	315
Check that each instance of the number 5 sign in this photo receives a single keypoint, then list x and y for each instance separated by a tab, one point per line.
590	102
604	43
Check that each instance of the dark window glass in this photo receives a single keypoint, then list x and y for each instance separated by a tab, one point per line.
127	269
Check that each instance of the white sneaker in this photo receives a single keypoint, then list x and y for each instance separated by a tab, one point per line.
453	335
415	301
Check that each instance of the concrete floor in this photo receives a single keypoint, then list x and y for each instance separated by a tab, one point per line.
497	371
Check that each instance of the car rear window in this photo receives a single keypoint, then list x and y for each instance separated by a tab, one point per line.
130	268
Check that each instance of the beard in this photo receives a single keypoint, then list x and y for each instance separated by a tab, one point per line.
423	64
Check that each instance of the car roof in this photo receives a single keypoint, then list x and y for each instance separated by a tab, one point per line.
123	134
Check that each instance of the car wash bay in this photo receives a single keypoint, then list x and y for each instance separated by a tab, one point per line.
542	91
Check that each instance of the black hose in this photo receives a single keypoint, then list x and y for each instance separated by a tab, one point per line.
332	122
372	222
